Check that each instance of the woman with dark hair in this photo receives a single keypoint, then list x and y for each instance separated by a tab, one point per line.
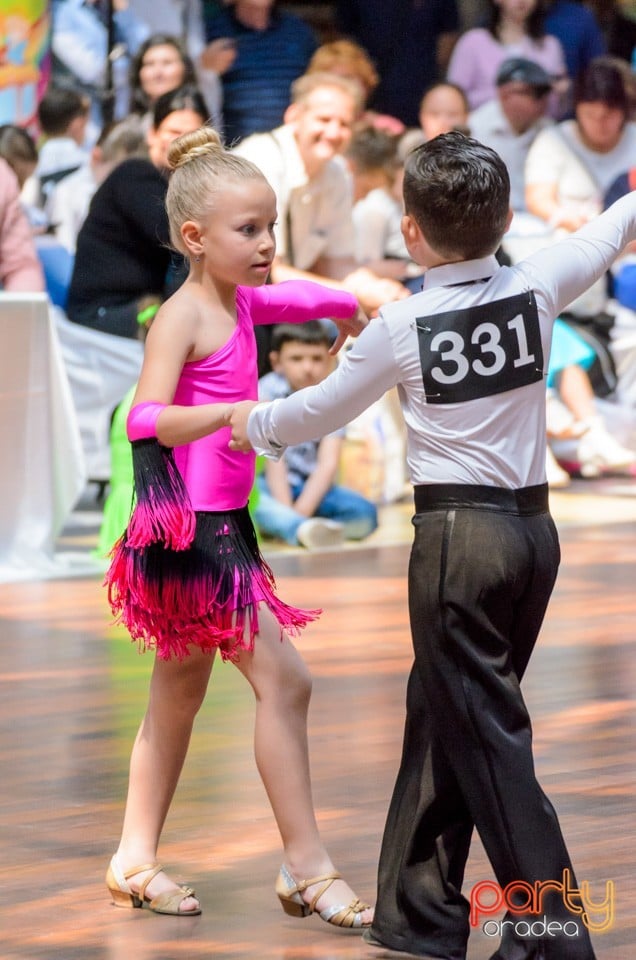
514	29
571	166
161	65
124	267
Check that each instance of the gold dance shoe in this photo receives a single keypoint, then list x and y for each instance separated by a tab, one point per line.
290	895
166	903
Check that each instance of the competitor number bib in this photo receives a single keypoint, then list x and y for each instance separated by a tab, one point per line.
480	351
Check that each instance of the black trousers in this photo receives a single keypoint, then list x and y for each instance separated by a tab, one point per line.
482	568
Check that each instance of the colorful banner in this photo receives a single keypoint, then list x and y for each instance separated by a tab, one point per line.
24	58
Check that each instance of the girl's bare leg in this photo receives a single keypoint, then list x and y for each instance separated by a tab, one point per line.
282	686
177	690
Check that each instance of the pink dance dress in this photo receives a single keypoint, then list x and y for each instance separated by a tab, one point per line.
188	570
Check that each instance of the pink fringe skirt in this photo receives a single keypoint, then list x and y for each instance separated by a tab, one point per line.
205	595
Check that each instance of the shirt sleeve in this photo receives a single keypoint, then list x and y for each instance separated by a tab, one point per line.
295	301
568	268
364	375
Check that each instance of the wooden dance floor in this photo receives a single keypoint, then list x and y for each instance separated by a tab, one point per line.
73	691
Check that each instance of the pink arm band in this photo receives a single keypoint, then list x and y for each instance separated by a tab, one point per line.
142	420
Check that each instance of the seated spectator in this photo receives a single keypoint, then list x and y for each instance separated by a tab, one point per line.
123	265
68	203
160	65
314	234
299	499
410	46
510	122
513	30
62	116
578	436
372	157
444	107
20	270
571	166
79	43
348	59
268	49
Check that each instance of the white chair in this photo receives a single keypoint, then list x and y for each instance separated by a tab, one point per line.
101	368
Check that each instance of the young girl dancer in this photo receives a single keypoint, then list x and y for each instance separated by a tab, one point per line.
187	577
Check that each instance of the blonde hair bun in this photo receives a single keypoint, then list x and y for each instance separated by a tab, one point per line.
190	146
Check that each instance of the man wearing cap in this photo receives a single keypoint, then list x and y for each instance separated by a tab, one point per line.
510	122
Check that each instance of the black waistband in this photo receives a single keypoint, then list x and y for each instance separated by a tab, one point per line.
442	496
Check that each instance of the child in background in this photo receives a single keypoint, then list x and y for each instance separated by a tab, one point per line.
377	212
187	577
300	500
70	199
63	118
469	356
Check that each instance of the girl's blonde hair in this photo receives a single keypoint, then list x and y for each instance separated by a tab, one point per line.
200	165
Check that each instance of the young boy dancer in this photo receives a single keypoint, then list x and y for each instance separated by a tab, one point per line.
468	355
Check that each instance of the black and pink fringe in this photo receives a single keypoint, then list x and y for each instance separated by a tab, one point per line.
179	579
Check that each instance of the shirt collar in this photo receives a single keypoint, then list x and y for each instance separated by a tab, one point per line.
466	271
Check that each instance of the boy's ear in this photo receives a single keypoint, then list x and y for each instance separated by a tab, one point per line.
274	356
509	219
191	236
413	238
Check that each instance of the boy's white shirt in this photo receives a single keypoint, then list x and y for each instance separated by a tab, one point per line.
497	440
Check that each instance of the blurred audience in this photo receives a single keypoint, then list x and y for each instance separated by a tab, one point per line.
348	59
69	201
577	30
513	29
571	166
315	233
123	263
372	158
259	51
510	123
410	46
79	44
62	116
161	65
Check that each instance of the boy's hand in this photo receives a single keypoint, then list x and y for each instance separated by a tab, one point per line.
349	328
238	422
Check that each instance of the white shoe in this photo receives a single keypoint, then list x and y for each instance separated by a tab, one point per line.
319	534
599	451
555	475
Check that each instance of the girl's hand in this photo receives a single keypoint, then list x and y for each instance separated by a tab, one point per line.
238	422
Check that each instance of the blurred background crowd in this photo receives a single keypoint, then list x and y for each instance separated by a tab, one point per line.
328	98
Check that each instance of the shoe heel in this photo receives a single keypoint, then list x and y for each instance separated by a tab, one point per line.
293	908
121	898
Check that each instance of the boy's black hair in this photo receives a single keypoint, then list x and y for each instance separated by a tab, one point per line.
313	331
458	192
59	107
